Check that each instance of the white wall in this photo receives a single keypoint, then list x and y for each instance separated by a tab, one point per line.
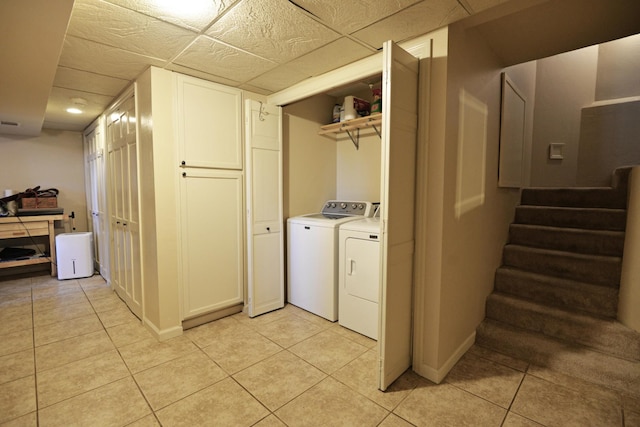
54	159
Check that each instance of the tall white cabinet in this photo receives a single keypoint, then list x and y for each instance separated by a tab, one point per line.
211	195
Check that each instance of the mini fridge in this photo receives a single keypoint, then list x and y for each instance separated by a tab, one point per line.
74	255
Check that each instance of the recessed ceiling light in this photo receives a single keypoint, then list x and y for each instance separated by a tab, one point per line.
77	105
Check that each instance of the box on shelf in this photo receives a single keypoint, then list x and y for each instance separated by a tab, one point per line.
39	202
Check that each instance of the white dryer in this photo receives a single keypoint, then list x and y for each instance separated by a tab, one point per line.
359	276
312	255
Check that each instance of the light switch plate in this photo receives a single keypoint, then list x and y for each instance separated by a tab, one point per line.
556	150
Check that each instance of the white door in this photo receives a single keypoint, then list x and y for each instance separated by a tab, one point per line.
265	248
212	236
124	208
399	135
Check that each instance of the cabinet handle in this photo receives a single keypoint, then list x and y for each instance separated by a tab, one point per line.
268	228
183	163
117	222
19	233
184	174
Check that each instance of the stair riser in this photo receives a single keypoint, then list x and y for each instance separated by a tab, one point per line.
595	367
554	217
591	332
599	300
580	241
599	271
575	197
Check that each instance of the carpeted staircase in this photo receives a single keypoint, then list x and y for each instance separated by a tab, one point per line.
556	295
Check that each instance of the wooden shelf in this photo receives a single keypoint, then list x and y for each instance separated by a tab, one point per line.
348	125
372	121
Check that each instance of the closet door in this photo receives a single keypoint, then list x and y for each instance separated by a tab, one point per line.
265	247
124	212
212	249
96	194
399	135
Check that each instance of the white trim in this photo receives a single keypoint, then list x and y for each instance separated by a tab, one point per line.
437	375
164	334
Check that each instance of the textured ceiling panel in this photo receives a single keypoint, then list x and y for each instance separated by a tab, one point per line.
97	58
480	5
119	27
84	81
329	57
353	15
279	78
221	60
179	12
413	21
273	29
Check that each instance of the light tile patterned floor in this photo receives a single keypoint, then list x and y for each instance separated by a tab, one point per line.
71	354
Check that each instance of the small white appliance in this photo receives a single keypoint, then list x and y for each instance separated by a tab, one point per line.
359	276
74	255
312	255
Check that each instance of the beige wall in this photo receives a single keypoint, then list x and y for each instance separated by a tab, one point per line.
54	159
309	158
628	312
466	223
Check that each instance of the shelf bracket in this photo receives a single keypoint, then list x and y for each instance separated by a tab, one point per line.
356	140
377	131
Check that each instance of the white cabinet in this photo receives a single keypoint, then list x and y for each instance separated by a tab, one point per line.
209	124
124	214
211	196
211	240
265	250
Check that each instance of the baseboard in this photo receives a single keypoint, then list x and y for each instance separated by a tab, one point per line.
437	375
210	317
164	334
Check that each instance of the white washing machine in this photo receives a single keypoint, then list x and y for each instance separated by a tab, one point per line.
312	255
359	276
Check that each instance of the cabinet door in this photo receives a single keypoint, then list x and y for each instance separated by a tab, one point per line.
265	247
399	135
124	214
209	124
212	237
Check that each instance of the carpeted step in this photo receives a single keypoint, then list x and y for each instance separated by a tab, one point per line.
593	218
575	197
571	359
599	333
594	269
557	292
597	242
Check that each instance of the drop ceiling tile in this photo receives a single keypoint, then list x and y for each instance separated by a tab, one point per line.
97	58
416	20
85	81
480	5
216	58
195	14
273	29
279	78
331	56
349	16
201	75
115	26
254	89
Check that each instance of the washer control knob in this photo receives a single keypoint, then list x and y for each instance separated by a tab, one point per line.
353	206
333	205
343	205
360	206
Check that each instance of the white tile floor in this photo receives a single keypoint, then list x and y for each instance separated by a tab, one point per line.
72	354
